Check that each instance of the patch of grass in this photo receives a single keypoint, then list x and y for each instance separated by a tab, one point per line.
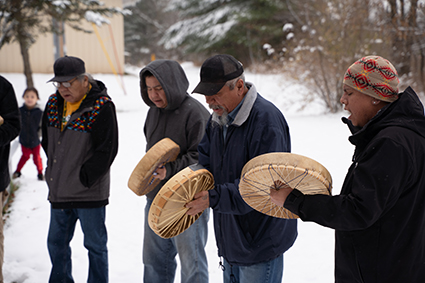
9	199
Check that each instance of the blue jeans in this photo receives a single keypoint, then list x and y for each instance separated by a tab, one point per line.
159	254
264	272
61	231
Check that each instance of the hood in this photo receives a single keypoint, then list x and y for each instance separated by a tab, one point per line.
407	112
172	78
99	89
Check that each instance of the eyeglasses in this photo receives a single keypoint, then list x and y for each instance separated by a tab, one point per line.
64	84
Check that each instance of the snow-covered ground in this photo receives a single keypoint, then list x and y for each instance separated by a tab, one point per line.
314	134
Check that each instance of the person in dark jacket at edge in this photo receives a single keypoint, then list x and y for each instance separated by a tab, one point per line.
379	216
173	114
242	126
10	125
80	138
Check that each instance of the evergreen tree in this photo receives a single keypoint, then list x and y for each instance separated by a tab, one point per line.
237	27
144	27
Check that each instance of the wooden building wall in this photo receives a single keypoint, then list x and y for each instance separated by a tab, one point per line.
87	46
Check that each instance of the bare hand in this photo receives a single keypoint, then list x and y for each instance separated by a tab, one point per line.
160	173
200	202
279	192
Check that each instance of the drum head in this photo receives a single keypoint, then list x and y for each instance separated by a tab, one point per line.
272	170
167	215
141	181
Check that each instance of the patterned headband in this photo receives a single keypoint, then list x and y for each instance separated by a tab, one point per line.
374	76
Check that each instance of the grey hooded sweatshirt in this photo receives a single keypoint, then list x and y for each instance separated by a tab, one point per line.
183	120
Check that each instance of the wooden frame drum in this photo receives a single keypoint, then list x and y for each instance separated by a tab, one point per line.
270	170
167	215
141	180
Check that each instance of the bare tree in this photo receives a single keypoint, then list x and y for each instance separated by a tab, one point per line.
326	38
406	20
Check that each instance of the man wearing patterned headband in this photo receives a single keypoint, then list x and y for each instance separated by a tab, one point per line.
379	216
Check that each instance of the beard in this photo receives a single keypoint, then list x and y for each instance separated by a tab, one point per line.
222	119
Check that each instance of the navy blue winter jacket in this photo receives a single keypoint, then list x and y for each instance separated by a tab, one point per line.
31	126
245	236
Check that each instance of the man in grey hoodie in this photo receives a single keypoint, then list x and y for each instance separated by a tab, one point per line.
176	115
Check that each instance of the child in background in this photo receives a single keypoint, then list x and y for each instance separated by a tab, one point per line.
29	137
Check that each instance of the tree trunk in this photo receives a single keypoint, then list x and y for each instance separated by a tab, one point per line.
26	59
251	56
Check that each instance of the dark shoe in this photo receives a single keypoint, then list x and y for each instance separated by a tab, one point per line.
40	177
16	175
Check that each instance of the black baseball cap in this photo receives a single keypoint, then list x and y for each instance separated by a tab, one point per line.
67	68
216	71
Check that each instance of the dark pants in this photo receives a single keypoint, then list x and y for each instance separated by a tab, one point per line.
61	231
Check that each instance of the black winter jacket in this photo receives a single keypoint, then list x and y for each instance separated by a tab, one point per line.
9	130
31	125
379	216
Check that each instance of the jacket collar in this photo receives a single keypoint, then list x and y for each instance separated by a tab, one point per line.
406	112
247	105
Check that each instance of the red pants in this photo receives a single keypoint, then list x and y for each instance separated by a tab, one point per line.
26	153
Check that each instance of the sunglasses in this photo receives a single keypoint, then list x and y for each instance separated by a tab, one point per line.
64	84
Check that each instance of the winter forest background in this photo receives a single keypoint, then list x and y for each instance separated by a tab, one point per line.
313	41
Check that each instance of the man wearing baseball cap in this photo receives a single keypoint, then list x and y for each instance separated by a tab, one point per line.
243	125
80	138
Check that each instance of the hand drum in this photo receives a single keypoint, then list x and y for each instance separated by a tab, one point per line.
167	215
271	170
141	181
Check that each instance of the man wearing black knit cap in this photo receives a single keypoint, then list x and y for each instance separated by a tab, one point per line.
242	126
